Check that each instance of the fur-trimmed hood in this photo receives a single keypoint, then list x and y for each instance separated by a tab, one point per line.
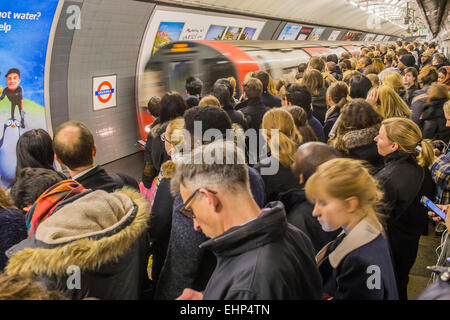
359	138
89	232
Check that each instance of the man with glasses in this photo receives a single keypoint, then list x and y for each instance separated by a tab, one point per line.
259	255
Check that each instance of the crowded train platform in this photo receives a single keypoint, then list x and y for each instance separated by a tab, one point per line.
183	150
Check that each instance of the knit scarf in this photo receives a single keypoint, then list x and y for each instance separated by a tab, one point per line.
47	202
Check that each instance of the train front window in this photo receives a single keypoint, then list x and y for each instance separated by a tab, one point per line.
179	71
214	69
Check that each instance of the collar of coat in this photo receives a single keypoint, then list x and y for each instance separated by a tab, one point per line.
359	138
159	129
270	225
363	233
88	232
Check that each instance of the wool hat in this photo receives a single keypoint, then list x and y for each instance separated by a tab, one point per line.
408	60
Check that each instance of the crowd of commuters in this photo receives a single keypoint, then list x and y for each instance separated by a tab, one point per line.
303	189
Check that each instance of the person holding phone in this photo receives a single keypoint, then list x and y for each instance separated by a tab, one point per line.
405	178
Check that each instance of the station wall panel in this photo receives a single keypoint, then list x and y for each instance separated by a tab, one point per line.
106	44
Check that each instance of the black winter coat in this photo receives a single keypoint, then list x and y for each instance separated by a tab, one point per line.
404	182
418	103
299	214
278	183
319	105
12	230
155	154
254	112
264	259
160	225
433	122
99	179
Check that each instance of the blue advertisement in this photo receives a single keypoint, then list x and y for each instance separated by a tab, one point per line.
24	32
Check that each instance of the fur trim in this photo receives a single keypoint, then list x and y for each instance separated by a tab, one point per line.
359	138
168	169
159	129
86	253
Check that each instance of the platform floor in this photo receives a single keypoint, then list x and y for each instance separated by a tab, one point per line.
419	275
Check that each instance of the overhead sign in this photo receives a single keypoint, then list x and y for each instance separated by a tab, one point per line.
104	92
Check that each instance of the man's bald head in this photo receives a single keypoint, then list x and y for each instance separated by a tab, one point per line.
73	144
309	156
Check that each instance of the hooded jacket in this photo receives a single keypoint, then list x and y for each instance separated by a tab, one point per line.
100	234
263	259
433	122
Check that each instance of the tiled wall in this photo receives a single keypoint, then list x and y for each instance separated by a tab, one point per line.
107	43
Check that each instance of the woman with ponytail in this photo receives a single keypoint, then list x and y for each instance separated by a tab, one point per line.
346	197
283	140
336	99
405	178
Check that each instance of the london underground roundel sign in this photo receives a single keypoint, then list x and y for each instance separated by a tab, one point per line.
104	92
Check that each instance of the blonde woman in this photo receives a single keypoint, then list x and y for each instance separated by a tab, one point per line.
161	217
395	81
283	140
346	196
405	178
388	103
313	80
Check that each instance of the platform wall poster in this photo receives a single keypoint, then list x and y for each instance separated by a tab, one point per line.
167	26
24	32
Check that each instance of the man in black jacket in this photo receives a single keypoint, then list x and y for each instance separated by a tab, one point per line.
75	148
259	254
299	210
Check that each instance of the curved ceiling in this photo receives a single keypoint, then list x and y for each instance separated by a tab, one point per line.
375	16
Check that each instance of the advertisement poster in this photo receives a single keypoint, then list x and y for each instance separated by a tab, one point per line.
232	33
369	37
352	36
215	32
334	35
24	30
304	33
247	34
315	34
379	37
290	32
167	32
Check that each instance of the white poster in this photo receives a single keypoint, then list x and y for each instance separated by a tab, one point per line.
334	35
369	37
379	37
104	92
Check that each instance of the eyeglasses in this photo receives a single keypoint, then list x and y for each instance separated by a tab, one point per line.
187	211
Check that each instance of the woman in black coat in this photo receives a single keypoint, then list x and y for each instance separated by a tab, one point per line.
276	169
405	178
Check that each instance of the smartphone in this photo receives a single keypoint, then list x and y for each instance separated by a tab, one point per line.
430	205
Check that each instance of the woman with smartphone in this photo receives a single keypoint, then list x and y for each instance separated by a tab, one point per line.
405	178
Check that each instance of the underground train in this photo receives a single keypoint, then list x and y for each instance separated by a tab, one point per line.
172	64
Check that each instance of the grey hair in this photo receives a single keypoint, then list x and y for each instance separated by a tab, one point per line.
219	164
